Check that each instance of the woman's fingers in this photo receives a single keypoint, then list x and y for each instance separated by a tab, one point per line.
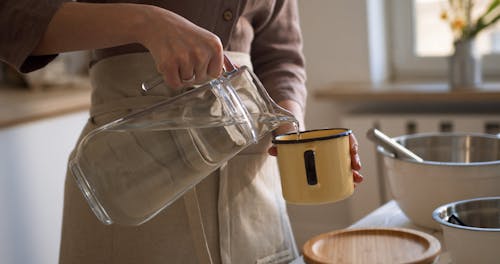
356	176
185	54
187	73
215	65
171	72
355	160
201	72
273	151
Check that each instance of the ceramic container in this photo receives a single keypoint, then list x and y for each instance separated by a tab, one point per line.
315	166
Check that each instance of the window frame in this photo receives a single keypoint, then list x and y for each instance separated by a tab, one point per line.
406	65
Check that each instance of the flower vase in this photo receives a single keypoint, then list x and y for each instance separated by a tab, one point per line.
464	67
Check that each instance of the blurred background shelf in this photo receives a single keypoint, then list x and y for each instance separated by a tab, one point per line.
21	105
407	92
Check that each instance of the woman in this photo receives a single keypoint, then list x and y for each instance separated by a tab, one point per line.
236	214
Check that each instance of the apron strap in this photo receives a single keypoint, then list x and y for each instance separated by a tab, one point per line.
197	229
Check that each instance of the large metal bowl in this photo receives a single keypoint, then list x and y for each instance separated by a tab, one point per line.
457	166
471	229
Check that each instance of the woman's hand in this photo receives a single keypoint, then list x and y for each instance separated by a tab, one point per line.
184	53
355	160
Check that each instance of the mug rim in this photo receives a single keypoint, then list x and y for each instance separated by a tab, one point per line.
276	139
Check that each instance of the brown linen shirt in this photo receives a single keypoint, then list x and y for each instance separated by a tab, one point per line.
268	30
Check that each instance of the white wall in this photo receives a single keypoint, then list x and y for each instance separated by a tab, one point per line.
337	49
32	171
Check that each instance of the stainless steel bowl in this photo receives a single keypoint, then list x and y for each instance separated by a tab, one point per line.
457	166
454	148
480	214
471	229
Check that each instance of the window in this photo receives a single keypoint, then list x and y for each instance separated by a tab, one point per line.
421	40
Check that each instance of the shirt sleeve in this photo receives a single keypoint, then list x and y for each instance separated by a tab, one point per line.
277	54
22	25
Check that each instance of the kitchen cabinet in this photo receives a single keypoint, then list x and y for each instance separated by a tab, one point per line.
38	129
33	161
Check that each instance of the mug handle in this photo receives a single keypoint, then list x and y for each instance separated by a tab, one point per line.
310	164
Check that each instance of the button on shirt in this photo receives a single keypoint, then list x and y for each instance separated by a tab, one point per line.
228	15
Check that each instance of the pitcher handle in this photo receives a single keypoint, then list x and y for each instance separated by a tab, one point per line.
228	67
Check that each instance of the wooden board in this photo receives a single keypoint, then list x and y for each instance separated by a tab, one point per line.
372	245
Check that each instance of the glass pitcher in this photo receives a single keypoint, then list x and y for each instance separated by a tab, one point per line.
132	168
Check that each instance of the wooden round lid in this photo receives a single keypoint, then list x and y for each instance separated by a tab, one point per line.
372	245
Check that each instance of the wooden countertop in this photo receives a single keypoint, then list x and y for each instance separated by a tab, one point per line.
20	105
407	92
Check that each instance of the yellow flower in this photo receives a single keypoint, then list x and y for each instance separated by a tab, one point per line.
464	25
444	15
458	24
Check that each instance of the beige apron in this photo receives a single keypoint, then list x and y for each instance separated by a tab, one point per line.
235	215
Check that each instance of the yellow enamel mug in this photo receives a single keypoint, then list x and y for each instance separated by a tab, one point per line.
315	166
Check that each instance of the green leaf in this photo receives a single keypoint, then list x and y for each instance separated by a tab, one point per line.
492	6
481	24
493	21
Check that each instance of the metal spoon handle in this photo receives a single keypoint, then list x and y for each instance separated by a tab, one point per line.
388	143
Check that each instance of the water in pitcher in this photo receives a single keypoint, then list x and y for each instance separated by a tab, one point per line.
138	172
132	168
